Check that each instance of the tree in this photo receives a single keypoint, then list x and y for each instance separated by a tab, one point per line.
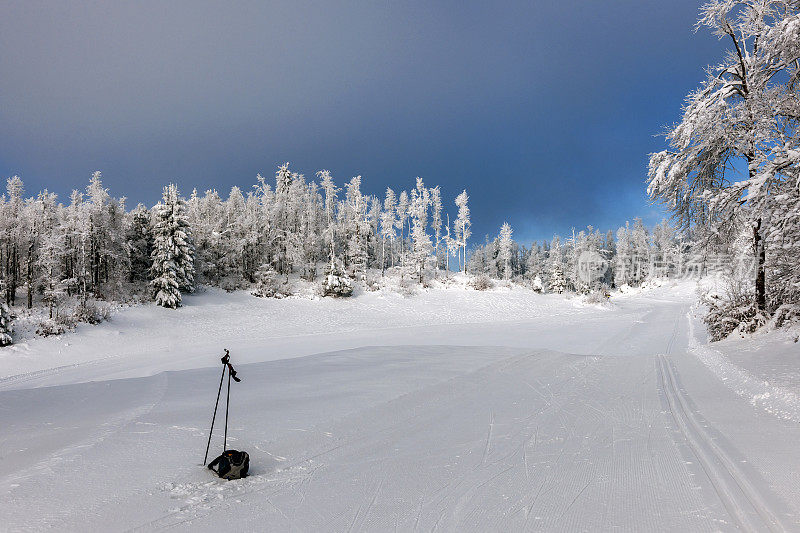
355	228
266	282
331	191
745	114
107	258
436	222
623	260
557	283
402	216
12	237
5	325
51	252
140	244
506	249
463	224
422	246
173	250
388	223
281	218
534	262
640	246
77	234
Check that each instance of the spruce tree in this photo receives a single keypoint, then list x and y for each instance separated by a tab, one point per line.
5	325
139	243
173	251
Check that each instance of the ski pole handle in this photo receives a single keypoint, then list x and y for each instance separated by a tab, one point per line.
226	360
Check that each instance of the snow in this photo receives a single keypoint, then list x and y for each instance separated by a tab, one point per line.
452	409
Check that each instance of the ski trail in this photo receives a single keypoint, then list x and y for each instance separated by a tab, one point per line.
744	504
488	438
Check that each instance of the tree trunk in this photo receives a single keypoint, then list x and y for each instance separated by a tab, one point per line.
761	255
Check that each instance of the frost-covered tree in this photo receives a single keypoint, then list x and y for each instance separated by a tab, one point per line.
623	260
140	244
463	225
107	258
534	262
505	250
744	115
281	219
665	249
173	251
436	222
402	216
355	226
451	246
6	328
557	282
640	249
11	219
51	254
331	192
421	241
267	284
336	282
388	224
78	233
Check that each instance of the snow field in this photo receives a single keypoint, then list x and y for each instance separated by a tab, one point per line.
534	413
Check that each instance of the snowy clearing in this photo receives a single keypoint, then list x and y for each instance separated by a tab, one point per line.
453	409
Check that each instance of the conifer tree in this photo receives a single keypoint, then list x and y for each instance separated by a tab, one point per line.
5	325
173	250
463	225
140	244
505	250
557	282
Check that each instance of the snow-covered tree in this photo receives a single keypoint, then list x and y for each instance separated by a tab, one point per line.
557	282
6	328
336	282
12	237
173	251
505	250
51	253
421	241
534	262
436	222
743	115
463	225
330	191
107	257
354	222
267	284
388	224
402	216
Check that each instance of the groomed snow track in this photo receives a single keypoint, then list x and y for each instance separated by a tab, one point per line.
742	501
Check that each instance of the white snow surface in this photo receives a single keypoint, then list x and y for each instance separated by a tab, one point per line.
454	410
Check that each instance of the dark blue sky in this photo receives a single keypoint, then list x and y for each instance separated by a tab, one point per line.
544	111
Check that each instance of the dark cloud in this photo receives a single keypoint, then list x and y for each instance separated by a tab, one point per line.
544	111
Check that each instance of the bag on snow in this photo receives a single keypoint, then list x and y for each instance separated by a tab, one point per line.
232	464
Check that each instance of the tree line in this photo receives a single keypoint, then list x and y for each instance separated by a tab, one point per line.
94	247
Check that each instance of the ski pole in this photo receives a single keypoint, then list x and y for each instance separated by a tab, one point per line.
216	405
227	405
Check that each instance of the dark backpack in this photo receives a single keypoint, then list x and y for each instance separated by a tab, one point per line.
232	464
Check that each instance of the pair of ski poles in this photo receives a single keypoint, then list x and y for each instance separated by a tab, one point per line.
226	365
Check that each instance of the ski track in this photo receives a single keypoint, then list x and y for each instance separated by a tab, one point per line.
738	496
